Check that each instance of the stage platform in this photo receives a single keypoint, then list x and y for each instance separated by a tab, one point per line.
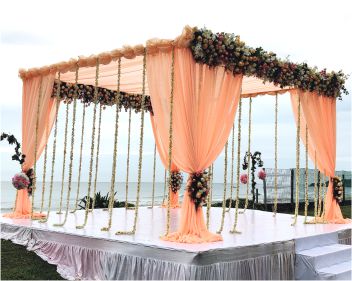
265	249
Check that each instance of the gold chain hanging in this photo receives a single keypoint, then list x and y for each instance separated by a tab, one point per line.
54	150
306	199
275	147
232	165
210	170
96	160
140	151
44	175
64	160
170	138
154	166
315	187
224	194
92	146
128	155
80	159
113	173
234	230
72	146
249	156
297	160
34	184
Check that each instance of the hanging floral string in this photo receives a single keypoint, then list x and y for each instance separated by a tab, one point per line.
234	228
249	154
96	160
154	166
224	193
297	160
275	147
232	166
128	155
43	180
165	183
71	152
306	199
315	187
140	153
80	159
64	160
92	147
210	172
319	195
113	170
34	182
53	157
324	199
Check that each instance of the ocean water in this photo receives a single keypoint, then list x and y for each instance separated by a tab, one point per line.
8	192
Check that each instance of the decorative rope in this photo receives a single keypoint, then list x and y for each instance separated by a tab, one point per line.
80	159
232	165
170	138
92	146
113	172
36	145
315	187
224	194
72	146
97	160
249	156
44	175
140	152
154	165
64	160
234	230
128	155
306	200
54	153
275	147
297	160
209	195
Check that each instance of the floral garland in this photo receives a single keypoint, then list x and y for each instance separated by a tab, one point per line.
106	97
198	188
226	49
18	156
176	181
337	189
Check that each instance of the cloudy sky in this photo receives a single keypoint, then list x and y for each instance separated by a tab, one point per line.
36	33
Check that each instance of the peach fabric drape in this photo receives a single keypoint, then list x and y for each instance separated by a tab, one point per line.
164	156
205	102
47	113
319	114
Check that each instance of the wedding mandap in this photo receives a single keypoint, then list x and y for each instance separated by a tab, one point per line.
191	87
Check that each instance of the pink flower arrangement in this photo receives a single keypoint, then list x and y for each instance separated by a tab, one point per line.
244	178
262	174
20	181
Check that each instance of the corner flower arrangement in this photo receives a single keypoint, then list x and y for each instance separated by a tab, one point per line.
176	181
198	187
337	189
226	49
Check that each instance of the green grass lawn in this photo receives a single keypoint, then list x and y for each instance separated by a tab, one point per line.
19	264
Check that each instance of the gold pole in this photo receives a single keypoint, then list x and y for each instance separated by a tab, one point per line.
113	172
36	146
249	156
275	147
234	230
297	160
232	165
92	146
140	152
54	149
224	194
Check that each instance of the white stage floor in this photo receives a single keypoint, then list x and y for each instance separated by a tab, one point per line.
264	249
257	227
